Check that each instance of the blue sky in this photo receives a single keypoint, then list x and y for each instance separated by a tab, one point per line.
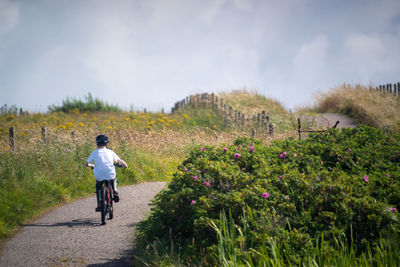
151	53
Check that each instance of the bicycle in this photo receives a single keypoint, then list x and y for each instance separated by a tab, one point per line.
106	199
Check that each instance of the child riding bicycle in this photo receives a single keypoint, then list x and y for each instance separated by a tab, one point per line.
104	159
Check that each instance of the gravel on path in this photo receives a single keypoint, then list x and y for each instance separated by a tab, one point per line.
72	235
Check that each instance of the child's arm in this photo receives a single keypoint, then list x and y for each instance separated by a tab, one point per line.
123	163
91	165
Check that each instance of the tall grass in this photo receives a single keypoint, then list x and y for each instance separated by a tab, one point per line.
232	250
364	105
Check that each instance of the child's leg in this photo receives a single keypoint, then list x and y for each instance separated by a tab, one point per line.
115	189
98	192
115	185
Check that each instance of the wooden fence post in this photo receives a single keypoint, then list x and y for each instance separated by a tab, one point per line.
12	141
44	138
395	89
299	128
253	132
271	129
398	89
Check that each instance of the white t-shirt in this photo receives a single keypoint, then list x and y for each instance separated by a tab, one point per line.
103	159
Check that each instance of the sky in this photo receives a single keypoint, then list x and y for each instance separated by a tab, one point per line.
151	53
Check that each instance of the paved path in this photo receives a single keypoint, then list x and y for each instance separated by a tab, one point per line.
73	235
328	120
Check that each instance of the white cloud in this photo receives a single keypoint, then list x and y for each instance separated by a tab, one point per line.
245	5
368	56
362	45
9	16
312	56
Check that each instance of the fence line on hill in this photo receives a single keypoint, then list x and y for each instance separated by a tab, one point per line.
232	118
393	89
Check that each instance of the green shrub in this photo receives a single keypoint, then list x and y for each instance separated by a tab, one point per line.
340	185
89	104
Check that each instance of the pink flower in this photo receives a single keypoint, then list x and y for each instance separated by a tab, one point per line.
387	175
202	148
225	149
185	170
192	203
287	197
207	184
294	155
393	209
236	155
280	176
349	149
251	149
366	178
195	178
266	195
283	155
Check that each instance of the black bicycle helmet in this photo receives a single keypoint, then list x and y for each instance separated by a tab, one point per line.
102	140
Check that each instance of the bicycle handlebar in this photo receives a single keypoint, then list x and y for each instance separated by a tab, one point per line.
118	164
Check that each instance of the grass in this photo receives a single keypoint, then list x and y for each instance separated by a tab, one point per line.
364	105
231	250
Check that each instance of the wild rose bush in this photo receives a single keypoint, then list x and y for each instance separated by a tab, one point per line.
339	185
